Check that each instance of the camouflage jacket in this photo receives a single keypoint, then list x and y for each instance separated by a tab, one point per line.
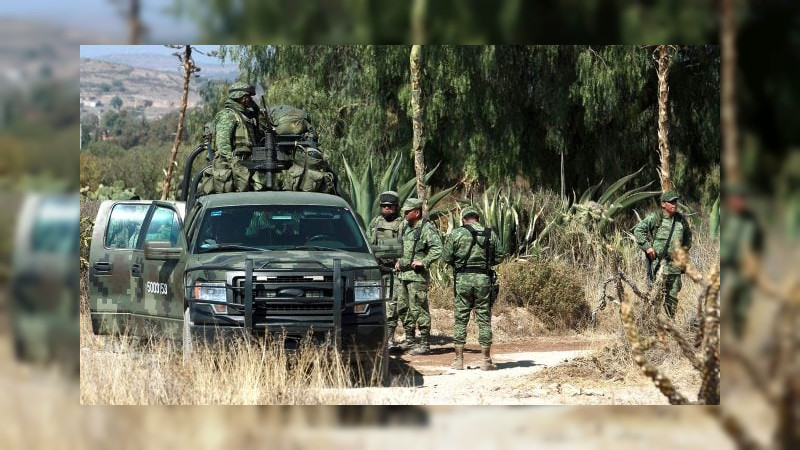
458	243
428	248
236	131
653	231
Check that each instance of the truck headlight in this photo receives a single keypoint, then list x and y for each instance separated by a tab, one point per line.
216	292
366	291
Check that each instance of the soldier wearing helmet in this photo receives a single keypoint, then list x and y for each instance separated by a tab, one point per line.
384	235
472	250
236	132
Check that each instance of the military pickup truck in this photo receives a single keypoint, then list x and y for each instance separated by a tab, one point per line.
284	265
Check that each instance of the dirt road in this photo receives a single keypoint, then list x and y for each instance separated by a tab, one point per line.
429	380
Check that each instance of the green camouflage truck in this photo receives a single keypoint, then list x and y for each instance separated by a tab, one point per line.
287	265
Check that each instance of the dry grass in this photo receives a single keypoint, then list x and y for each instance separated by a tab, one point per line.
127	371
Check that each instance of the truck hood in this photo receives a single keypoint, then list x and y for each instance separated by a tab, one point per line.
280	259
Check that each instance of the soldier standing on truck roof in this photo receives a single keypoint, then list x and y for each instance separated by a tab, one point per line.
236	132
384	235
421	247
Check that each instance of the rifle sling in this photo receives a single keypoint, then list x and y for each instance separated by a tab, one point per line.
486	233
664	252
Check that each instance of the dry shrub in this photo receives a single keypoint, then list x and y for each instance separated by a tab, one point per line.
612	363
551	290
440	296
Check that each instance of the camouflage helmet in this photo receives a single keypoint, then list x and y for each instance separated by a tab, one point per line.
470	212
389	198
239	89
669	196
411	204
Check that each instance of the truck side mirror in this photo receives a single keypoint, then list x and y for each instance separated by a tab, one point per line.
162	251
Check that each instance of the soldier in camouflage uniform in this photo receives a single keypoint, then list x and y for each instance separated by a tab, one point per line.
236	132
741	243
384	235
652	235
467	249
421	247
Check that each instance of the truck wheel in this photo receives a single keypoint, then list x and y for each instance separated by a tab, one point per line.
187	334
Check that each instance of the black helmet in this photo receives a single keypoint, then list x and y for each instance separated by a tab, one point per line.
389	198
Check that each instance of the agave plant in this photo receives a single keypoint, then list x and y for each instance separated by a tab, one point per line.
594	214
601	212
499	211
363	192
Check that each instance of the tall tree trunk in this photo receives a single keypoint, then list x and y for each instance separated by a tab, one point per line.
730	135
663	118
416	118
188	69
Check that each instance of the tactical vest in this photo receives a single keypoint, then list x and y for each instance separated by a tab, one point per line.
243	136
387	241
480	255
242	142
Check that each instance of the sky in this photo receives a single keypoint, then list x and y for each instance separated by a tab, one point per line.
104	16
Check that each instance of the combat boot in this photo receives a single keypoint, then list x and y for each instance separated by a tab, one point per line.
458	361
487	364
423	347
408	341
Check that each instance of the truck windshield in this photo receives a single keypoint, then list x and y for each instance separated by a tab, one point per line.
279	227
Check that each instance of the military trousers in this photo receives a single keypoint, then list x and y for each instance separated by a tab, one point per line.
672	286
472	294
415	295
396	310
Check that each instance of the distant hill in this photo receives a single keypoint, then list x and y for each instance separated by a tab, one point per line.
169	63
156	92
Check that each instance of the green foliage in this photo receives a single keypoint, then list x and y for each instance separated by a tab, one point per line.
116	191
589	217
363	192
548	288
496	114
140	168
500	211
601	212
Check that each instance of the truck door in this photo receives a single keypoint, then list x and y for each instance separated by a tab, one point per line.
160	282
116	231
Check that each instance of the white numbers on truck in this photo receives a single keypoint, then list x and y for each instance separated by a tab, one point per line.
156	288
